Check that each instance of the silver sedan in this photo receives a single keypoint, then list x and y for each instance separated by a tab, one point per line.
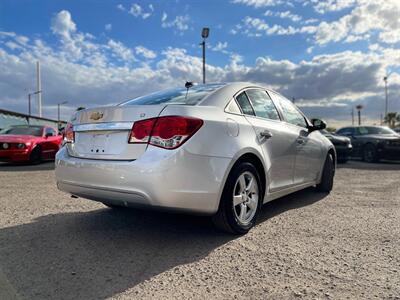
215	149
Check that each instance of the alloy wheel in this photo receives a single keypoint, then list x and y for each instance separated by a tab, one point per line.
245	198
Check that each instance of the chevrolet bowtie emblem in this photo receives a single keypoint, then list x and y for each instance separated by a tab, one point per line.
96	115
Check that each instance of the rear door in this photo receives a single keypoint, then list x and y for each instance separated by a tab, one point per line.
277	142
308	147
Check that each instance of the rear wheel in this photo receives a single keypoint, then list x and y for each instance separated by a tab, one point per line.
36	155
240	201
328	173
370	154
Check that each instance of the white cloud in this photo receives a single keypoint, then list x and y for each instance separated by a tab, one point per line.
283	15
220	47
180	23
120	51
146	53
108	27
164	16
364	21
97	78
62	24
258	3
324	6
137	11
367	17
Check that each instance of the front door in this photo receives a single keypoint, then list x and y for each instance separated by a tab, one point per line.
277	140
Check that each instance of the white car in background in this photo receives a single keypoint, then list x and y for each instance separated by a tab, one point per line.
215	149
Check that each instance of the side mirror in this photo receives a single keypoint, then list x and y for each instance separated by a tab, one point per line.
48	134
317	124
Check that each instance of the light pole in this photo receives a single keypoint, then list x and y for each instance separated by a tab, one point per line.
58	112
359	108
29	102
385	79
204	34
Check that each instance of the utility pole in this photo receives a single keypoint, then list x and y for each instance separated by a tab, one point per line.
386	95
58	113
352	116
29	104
359	108
204	34
39	88
385	79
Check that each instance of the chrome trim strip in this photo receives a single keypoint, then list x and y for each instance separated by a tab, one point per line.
104	126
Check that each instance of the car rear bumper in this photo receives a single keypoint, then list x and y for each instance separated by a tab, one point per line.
175	180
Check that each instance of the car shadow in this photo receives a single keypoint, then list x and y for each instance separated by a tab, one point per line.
361	165
101	253
22	167
293	201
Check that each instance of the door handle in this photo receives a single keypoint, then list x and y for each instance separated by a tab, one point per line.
266	134
300	141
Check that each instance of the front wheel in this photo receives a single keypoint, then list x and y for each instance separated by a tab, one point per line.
240	201
370	154
36	156
328	173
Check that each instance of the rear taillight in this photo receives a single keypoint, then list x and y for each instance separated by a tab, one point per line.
167	132
69	136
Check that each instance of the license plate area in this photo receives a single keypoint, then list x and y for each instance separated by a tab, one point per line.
101	142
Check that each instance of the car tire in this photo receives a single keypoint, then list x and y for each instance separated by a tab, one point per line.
328	173
370	153
36	155
240	218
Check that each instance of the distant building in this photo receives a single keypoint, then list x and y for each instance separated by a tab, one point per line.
9	118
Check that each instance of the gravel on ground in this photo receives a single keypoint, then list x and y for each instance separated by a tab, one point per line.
345	245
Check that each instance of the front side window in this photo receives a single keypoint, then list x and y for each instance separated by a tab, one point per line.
50	132
245	104
290	112
346	131
262	104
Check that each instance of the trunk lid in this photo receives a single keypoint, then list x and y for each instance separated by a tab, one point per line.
103	133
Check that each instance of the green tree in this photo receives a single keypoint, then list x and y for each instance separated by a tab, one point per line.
391	118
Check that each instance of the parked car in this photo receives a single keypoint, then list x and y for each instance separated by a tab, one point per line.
25	143
372	143
216	149
342	145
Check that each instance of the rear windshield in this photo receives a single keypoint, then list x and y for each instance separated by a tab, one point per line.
36	131
176	96
375	130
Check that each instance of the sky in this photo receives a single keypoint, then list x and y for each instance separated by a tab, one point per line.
329	55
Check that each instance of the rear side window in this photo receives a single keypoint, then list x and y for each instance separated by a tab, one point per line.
245	104
346	131
190	96
290	112
233	108
262	104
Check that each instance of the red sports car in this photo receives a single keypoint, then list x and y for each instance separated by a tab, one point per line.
26	143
